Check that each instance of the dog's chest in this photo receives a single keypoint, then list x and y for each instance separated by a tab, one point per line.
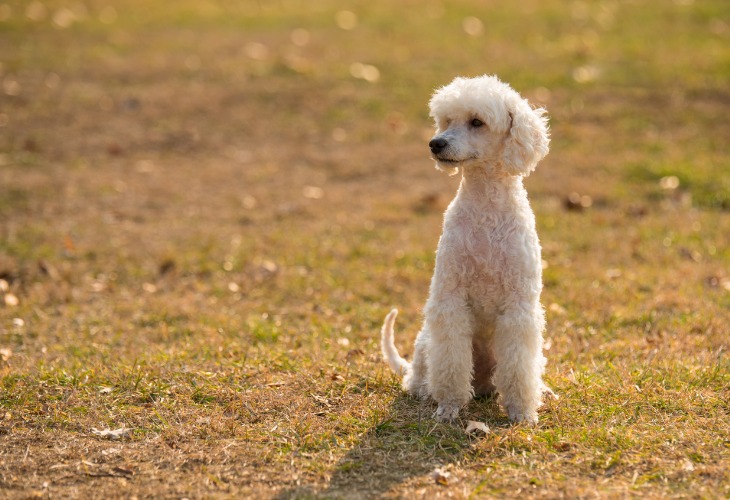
488	249
481	243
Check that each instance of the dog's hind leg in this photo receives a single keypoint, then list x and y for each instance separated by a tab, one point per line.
415	381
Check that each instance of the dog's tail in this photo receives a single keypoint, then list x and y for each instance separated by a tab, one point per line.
390	353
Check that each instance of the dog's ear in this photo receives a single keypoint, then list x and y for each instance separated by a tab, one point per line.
528	139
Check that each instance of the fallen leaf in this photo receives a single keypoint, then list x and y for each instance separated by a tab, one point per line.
49	270
429	202
11	300
577	202
441	477
68	244
166	267
313	192
125	471
562	447
472	426
269	266
472	26
114	149
366	72
636	210
557	309
5	353
346	20
669	183
112	434
321	400
354	353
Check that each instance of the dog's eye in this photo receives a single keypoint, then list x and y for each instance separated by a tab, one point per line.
476	123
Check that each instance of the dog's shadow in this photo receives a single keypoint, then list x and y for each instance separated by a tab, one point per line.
405	445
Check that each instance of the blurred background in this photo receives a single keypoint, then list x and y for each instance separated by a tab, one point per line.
138	130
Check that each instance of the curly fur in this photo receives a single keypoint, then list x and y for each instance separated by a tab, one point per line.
483	320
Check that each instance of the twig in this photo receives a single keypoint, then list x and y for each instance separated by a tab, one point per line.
245	405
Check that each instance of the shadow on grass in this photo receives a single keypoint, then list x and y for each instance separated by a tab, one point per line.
405	444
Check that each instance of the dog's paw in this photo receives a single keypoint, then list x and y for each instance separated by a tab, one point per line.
519	417
447	412
415	387
546	391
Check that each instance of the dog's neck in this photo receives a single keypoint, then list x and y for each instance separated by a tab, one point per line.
480	184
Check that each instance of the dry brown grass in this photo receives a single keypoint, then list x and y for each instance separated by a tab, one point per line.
202	224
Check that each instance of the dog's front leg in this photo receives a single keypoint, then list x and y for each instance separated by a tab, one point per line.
520	361
450	365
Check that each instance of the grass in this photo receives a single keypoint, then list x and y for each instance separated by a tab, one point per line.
204	217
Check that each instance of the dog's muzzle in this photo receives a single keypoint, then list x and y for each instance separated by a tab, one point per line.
437	145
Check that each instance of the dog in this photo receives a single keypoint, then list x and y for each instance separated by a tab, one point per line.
483	321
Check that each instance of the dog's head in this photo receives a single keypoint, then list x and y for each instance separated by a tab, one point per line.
483	122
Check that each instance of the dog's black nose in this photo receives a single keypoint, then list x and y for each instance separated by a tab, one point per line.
437	145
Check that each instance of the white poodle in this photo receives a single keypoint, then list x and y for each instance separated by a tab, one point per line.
483	320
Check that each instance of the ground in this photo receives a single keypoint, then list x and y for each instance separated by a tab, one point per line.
207	209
